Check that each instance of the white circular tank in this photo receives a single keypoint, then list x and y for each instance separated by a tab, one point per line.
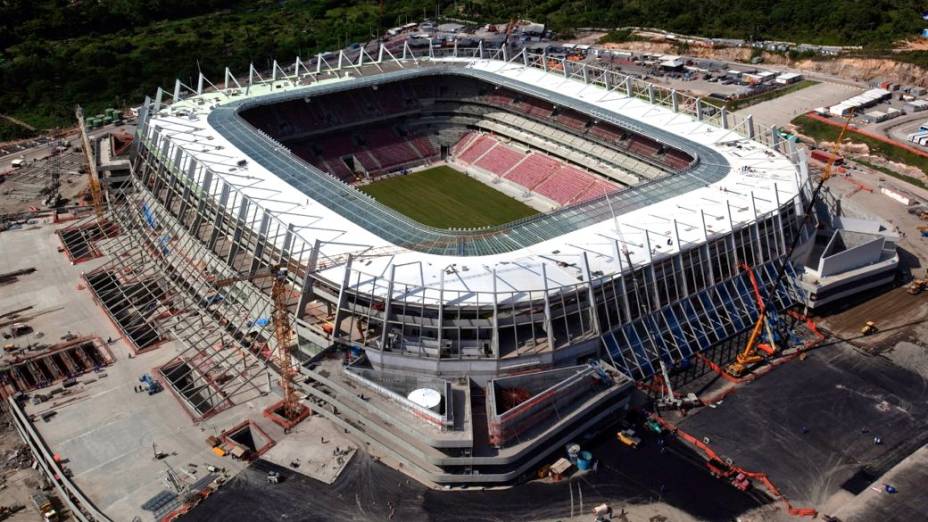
425	397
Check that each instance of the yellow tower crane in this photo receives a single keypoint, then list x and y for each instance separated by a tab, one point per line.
290	409
96	190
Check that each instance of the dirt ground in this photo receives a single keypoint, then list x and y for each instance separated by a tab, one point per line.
898	315
24	188
18	481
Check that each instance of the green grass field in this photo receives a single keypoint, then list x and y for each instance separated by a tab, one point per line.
443	197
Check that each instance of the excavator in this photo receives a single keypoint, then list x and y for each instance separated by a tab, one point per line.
917	286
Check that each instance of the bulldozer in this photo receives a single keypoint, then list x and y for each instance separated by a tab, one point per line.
869	328
917	286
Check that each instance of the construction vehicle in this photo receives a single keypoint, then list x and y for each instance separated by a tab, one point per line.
741	482
917	286
669	399
653	426
869	328
750	355
43	504
151	385
290	406
602	513
628	438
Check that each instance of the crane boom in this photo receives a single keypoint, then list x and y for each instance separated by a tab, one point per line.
280	318
835	148
96	190
749	355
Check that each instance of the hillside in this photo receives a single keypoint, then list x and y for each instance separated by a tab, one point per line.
57	53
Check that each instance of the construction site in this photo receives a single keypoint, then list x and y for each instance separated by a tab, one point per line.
203	318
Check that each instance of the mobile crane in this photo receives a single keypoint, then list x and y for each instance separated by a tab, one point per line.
749	356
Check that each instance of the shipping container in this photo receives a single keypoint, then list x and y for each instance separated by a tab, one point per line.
825	157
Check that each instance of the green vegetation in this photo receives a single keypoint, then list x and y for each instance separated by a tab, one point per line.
618	36
769	95
889	172
55	54
821	131
443	197
870	23
10	131
112	53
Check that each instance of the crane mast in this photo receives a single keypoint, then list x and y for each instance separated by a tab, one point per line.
290	408
282	333
96	190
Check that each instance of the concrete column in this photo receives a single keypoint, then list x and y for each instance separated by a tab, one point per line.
342	296
673	101
592	295
705	246
623	287
288	242
201	200
306	293
494	340
261	241
758	248
699	114
549	326
220	211
237	232
441	308
185	196
749	123
657	298
388	300
724	117
781	238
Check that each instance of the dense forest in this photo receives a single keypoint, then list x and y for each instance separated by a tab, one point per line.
56	53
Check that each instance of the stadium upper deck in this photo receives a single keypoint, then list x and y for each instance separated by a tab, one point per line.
735	182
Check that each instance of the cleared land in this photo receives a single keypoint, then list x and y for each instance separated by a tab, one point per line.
443	197
821	131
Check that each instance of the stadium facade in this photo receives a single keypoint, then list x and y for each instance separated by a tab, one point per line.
532	331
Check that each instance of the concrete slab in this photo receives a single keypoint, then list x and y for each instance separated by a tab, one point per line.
103	428
780	111
875	503
319	447
368	490
811	424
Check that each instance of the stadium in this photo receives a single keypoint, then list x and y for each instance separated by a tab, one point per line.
525	236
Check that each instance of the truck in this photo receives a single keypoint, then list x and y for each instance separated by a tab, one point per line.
18	163
43	504
628	438
150	384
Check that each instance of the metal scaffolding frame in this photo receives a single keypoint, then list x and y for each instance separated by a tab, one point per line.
207	213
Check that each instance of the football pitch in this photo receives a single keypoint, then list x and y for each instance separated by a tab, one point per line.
445	198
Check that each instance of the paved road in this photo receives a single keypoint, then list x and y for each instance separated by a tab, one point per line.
44	150
368	490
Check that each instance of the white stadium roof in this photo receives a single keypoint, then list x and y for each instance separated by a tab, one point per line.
759	182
